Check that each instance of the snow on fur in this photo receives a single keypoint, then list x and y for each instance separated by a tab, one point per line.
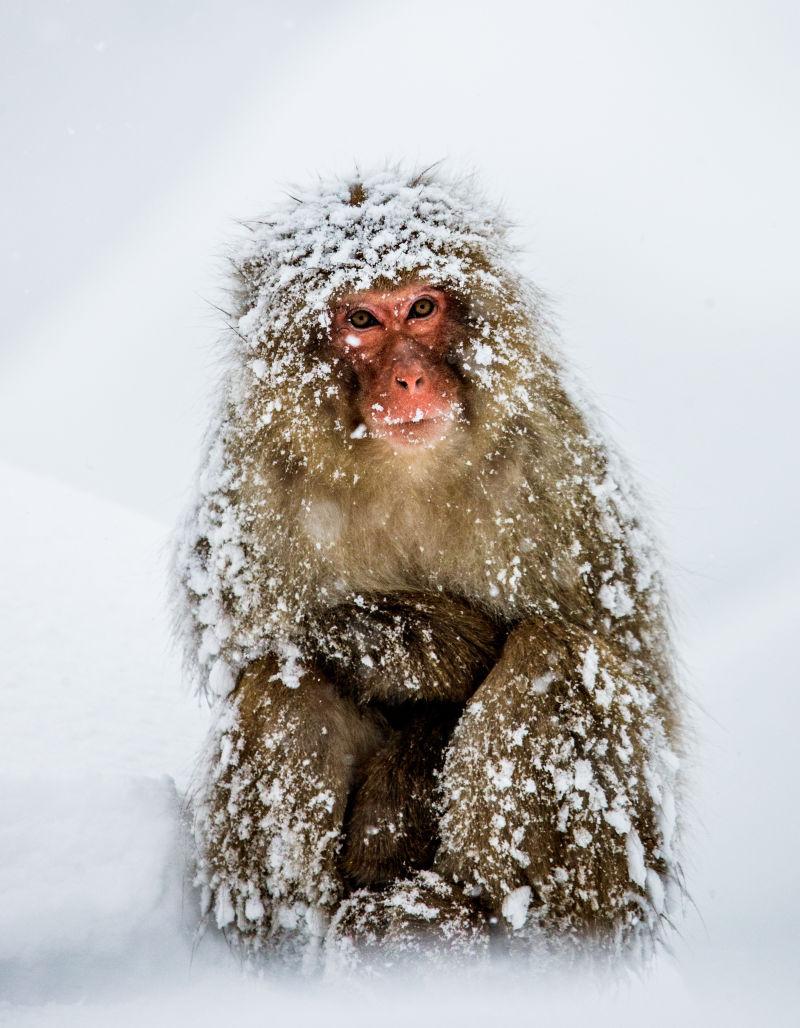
237	603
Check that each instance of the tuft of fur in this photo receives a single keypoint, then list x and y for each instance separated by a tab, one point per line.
325	584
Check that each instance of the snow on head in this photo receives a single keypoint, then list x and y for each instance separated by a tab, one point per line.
343	236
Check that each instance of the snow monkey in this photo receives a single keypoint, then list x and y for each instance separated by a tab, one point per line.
417	587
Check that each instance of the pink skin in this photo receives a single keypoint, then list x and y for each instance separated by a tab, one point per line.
407	393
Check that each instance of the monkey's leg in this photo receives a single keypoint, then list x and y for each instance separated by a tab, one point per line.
269	809
558	790
390	827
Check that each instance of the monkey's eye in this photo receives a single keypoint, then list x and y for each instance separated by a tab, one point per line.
422	308
362	319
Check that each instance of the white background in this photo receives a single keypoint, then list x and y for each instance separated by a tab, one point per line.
649	154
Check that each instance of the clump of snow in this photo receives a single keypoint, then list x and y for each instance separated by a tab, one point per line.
483	354
589	668
515	906
636	865
221	679
290	669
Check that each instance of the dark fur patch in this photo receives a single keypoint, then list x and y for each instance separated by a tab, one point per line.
391	822
398	648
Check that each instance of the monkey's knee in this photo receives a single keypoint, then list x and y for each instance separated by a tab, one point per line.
270	804
558	793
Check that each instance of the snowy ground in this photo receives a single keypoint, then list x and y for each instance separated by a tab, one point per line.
651	154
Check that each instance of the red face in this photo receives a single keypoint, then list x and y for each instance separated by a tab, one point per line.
396	342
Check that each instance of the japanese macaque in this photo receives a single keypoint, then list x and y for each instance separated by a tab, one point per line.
417	586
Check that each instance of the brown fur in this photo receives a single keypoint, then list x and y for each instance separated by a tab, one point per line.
256	796
467	703
405	647
392	825
540	674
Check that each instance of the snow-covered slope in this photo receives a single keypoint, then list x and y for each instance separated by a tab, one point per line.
90	682
92	888
94	733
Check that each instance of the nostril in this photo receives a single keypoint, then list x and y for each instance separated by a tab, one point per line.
412	383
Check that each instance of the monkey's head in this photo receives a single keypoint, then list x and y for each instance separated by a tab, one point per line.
376	318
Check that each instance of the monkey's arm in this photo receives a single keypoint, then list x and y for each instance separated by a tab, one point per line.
406	646
558	788
270	807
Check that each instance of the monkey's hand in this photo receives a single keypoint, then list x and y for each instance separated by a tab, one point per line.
557	788
269	811
406	646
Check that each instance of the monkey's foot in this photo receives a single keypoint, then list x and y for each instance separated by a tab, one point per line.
419	918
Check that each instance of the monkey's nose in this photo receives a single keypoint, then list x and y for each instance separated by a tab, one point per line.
413	383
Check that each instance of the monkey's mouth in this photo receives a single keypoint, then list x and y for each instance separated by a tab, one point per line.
412	427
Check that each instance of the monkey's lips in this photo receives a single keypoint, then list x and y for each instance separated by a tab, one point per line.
421	427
